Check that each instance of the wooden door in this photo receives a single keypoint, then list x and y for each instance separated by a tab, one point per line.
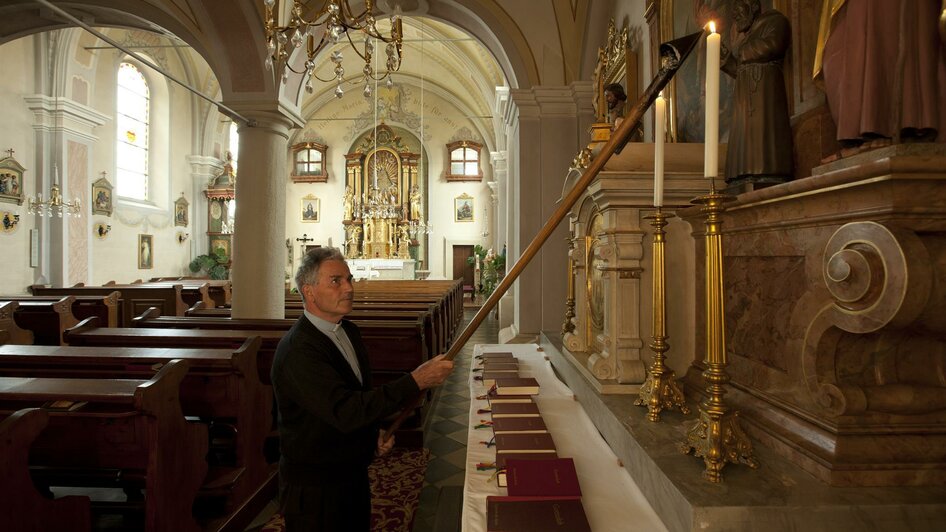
461	268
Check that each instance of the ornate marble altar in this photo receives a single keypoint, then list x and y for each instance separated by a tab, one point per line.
608	328
836	314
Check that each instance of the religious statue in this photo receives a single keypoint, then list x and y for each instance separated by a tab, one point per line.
874	95
369	230
616	97
404	242
352	243
414	198
390	194
760	137
349	203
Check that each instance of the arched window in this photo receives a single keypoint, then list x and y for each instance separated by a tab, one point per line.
132	104
464	156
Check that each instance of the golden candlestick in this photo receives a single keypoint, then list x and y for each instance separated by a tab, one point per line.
716	435
660	390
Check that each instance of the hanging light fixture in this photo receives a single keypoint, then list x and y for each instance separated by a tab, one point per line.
54	206
336	22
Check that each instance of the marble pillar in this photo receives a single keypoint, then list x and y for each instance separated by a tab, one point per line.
259	237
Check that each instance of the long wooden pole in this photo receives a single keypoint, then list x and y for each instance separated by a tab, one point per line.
672	55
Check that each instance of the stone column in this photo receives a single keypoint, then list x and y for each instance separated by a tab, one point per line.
550	134
259	247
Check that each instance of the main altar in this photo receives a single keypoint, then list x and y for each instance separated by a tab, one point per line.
383	198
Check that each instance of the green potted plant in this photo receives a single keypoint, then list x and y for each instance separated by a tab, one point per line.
213	265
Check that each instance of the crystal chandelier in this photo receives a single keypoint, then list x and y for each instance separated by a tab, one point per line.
419	227
54	206
336	22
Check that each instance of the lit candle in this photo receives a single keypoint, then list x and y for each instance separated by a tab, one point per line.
711	155
660	111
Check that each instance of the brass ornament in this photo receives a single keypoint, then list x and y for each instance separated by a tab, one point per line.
660	390
716	435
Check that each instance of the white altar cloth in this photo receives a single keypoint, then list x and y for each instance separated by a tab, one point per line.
611	499
382	268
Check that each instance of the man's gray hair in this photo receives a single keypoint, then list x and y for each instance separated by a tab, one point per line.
308	271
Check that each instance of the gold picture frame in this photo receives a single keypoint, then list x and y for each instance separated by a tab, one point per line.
463	208
102	197
181	215
11	180
145	252
309	209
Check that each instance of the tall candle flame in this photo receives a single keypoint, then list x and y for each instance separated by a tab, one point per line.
712	27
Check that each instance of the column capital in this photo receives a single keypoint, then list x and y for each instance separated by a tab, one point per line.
269	115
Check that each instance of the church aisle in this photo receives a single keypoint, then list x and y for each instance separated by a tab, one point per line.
446	438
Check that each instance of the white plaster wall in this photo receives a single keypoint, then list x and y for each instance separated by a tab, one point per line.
116	256
16	63
442	121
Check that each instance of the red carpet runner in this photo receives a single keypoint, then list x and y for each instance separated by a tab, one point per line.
396	481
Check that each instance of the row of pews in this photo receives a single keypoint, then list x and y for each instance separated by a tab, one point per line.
173	405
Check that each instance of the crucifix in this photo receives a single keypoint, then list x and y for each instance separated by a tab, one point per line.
10	153
305	240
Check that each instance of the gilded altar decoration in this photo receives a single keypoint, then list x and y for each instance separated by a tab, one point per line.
383	200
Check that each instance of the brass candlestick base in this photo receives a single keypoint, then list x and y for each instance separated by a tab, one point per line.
716	436
719	439
660	390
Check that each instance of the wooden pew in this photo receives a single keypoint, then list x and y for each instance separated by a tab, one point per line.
10	332
22	508
133	299
393	347
124	433
220	289
222	388
88	333
104	307
191	292
434	331
47	320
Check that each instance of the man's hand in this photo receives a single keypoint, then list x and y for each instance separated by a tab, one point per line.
433	372
384	447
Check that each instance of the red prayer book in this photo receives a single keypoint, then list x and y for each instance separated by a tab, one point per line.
524	443
516	386
519	425
500	410
536	514
554	477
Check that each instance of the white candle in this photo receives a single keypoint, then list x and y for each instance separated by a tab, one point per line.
660	111
711	155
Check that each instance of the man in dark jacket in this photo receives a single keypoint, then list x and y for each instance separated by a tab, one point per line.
328	411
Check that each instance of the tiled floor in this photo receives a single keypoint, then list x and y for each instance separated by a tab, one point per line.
447	429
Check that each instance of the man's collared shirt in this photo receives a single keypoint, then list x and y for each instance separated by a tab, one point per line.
337	334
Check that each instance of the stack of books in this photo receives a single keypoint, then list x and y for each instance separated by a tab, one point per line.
543	490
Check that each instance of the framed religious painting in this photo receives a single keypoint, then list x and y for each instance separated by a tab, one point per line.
309	209
181	211
11	180
102	196
220	245
463	208
145	252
